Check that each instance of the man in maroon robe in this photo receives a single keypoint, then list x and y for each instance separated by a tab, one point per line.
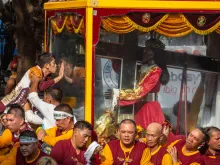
15	124
27	152
126	151
16	121
159	155
188	153
212	155
71	151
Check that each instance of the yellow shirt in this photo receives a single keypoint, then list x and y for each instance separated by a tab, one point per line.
6	138
5	141
52	139
10	159
107	158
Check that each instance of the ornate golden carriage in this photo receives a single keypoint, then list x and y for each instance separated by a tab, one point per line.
107	38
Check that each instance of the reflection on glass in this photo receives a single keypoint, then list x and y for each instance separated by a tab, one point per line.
107	77
68	47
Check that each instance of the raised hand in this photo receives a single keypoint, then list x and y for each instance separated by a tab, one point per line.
173	153
61	71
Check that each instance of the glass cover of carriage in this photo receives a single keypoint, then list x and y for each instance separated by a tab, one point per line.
148	61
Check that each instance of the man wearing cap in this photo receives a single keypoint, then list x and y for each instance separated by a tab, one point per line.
63	114
27	153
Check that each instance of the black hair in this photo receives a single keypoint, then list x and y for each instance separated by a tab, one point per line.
29	133
176	107
203	148
128	121
210	130
44	58
17	110
204	132
83	125
64	108
55	93
158	47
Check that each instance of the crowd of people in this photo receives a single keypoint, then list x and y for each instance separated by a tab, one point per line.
37	131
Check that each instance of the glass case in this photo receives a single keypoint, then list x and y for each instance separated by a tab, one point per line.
66	43
144	94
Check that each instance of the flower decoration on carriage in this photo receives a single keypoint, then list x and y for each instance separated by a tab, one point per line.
201	21
146	18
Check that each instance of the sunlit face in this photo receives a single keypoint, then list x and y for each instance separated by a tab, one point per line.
153	137
194	139
214	142
63	124
127	133
14	122
27	149
52	67
82	137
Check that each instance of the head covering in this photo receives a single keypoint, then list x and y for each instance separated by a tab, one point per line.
62	115
27	139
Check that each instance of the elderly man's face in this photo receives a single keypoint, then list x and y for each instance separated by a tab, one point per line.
194	140
127	133
153	137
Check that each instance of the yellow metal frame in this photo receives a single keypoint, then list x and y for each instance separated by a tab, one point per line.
135	4
119	4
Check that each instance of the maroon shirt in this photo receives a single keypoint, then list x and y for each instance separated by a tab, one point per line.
210	159
187	159
119	156
20	159
156	159
64	153
16	138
